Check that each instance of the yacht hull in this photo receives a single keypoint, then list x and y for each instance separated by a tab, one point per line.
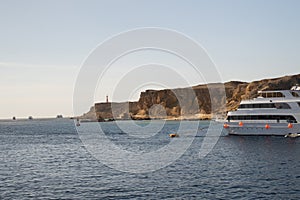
280	129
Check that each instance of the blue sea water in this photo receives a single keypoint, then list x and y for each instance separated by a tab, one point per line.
45	159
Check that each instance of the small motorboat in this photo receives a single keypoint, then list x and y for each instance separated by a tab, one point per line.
77	122
292	135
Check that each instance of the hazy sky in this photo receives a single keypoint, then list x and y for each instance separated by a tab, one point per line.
44	43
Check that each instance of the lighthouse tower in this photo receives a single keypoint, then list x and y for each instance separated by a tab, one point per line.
106	98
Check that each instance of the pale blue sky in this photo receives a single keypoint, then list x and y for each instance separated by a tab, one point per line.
43	43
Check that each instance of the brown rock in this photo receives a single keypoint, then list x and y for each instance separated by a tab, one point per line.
190	103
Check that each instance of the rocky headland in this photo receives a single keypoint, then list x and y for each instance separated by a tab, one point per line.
179	104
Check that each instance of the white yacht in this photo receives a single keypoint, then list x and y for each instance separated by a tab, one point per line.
271	113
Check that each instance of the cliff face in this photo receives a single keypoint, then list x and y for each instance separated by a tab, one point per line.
91	114
190	103
115	110
186	103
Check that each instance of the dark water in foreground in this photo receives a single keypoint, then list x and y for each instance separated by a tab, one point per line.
44	159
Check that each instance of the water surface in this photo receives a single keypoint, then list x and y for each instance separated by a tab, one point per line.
45	159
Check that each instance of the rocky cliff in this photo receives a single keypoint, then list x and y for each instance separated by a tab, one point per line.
189	103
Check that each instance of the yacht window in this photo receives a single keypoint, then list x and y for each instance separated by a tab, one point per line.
258	105
288	118
265	105
272	94
295	94
282	106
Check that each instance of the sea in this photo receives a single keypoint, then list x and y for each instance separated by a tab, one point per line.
54	159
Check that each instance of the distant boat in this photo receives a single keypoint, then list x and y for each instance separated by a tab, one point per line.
292	135
14	118
77	122
30	118
59	116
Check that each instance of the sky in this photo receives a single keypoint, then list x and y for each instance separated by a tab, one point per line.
43	44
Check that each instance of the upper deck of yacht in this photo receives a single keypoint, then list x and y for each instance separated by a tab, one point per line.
279	94
292	95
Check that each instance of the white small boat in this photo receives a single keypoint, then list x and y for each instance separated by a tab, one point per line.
292	135
77	122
